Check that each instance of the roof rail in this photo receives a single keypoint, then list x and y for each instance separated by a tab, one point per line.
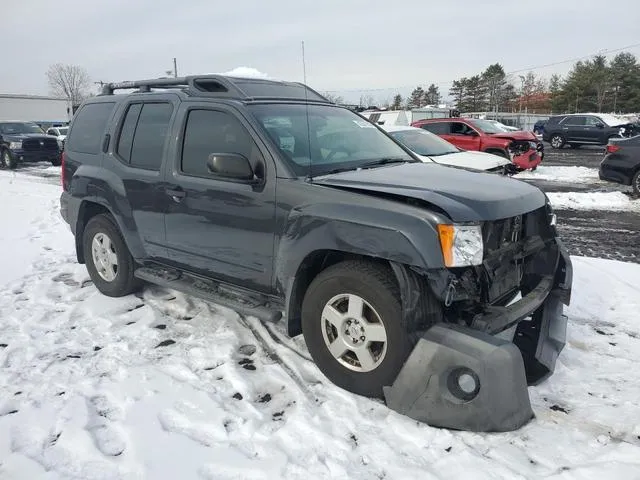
224	86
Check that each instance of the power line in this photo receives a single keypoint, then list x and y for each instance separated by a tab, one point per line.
529	69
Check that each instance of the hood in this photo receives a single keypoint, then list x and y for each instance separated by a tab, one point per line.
469	159
519	135
466	196
16	137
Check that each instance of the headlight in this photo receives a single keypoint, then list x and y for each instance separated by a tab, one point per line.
15	145
461	244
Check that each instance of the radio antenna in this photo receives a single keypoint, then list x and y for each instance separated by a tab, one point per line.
306	102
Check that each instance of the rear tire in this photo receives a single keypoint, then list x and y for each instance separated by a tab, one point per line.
56	162
557	141
635	183
353	310
109	262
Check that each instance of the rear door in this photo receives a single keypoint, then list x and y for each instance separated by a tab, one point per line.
138	149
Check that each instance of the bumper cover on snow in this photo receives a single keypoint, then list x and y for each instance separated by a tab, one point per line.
468	379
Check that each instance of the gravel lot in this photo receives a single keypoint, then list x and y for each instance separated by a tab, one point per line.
592	233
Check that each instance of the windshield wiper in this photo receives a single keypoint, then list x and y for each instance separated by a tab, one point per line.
384	161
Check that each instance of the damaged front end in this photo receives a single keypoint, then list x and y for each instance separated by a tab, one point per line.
526	154
504	329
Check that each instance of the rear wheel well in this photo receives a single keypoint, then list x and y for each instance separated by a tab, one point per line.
309	268
87	211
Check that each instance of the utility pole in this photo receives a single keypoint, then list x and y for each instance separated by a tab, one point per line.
175	67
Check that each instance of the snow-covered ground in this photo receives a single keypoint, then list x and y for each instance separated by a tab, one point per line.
614	201
561	174
165	386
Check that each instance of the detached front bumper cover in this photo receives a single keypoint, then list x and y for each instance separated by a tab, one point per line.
468	379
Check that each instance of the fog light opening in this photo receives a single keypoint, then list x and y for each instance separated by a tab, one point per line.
464	384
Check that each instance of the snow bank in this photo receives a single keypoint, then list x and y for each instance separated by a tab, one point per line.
246	72
593	201
561	174
162	385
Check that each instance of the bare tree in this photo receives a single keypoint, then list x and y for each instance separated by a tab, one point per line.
69	81
332	97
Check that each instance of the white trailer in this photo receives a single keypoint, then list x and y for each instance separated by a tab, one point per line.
33	108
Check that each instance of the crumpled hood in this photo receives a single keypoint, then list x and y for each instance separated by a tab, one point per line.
470	159
466	196
519	135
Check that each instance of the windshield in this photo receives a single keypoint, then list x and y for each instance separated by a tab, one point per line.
334	139
424	143
487	126
18	128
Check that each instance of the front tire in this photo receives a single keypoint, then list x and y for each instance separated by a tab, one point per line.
8	161
635	183
353	326
109	263
557	141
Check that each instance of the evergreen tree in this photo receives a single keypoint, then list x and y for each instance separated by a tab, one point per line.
432	95
416	99
397	102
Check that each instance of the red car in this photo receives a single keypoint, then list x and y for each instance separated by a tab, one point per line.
522	148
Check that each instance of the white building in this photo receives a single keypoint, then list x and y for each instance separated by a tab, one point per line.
33	108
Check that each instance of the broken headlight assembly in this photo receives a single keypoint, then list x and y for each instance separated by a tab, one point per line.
461	245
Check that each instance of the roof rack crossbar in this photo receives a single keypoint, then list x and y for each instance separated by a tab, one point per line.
145	85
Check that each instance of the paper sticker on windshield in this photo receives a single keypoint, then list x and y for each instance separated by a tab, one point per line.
363	124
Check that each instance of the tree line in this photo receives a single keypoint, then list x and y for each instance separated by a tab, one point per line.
597	84
594	85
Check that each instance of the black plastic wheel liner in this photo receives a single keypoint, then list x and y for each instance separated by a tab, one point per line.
428	387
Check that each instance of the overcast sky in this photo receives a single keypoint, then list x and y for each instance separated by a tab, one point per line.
350	44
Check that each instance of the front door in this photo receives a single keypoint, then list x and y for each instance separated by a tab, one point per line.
463	136
573	128
219	227
593	129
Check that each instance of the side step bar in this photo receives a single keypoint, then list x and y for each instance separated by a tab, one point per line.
235	299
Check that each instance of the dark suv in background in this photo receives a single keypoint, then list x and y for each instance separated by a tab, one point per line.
265	197
26	142
584	129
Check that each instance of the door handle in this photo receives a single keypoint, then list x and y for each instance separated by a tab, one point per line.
177	194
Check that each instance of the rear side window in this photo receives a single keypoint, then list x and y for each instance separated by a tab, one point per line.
210	131
89	127
143	134
440	128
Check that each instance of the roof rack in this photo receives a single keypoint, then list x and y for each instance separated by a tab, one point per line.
242	88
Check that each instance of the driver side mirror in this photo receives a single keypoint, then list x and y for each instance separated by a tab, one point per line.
600	125
231	165
471	133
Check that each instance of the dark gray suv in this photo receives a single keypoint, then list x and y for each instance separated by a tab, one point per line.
580	129
436	288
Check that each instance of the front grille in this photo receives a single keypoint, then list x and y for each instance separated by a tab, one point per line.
504	265
40	144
